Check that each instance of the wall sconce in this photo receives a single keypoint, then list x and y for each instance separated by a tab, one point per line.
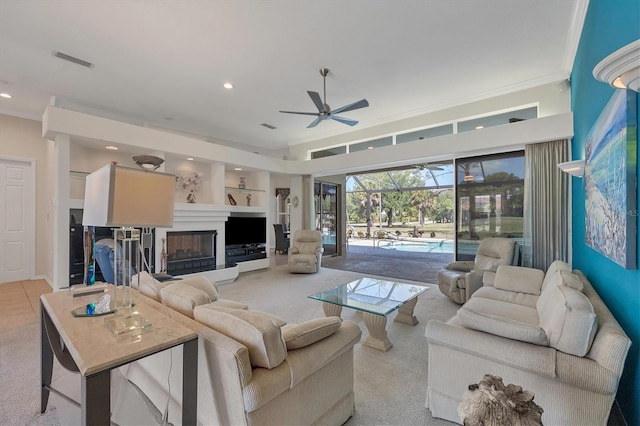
621	69
574	168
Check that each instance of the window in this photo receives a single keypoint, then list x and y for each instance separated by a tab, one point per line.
376	143
329	152
432	132
489	199
498	119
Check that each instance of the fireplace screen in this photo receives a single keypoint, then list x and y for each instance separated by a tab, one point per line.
191	251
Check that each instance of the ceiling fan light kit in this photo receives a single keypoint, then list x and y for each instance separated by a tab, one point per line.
324	110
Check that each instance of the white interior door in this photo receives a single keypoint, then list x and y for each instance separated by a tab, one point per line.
17	220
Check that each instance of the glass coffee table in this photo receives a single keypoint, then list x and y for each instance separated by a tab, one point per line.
376	299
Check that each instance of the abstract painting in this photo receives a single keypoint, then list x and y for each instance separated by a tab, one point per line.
611	156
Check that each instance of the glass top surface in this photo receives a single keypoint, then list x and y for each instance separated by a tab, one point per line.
371	295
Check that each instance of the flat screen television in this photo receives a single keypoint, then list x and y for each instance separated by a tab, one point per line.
245	230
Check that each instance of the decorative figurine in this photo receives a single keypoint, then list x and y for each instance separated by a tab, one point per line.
242	184
248	200
163	257
232	201
191	198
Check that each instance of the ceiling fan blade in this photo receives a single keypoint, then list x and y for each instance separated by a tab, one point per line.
314	123
301	113
356	105
315	97
343	120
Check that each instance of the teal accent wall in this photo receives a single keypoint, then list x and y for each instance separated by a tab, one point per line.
609	25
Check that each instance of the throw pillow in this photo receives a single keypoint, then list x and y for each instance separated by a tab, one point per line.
503	319
520	279
258	332
183	298
570	321
203	284
149	286
298	336
556	266
570	280
281	322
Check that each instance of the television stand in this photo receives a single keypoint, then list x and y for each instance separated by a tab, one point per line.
244	252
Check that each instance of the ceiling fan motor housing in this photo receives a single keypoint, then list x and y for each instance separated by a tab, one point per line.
324	110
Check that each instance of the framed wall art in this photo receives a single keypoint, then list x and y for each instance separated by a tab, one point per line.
611	155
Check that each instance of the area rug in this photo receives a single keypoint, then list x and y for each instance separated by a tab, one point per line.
390	387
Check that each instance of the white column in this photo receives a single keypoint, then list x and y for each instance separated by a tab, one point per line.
217	183
61	168
296	211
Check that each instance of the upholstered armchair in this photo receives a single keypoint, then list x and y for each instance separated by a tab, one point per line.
460	279
305	253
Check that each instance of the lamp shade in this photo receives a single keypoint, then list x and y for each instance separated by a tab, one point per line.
120	196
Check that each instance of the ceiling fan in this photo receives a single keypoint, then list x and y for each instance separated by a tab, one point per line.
324	111
427	166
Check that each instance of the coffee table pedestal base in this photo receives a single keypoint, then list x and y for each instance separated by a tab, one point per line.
405	312
377	339
331	310
376	325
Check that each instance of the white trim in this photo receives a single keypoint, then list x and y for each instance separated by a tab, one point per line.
573	38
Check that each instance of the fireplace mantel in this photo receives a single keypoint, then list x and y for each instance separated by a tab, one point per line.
201	217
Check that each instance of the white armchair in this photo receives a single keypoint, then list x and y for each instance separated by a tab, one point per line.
460	279
305	253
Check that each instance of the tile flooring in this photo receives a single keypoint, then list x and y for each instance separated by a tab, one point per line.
20	303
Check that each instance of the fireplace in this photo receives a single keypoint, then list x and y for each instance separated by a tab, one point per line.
191	251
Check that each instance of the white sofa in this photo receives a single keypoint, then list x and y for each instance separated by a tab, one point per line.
549	333
252	368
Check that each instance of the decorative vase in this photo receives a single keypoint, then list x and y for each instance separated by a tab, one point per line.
191	197
248	200
163	257
242	184
232	201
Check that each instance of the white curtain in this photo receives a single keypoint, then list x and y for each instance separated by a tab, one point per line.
546	200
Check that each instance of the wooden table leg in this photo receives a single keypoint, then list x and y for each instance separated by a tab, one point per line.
405	312
376	324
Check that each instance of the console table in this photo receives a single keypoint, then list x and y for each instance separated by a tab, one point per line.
85	345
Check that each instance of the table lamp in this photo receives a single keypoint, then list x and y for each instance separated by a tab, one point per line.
126	198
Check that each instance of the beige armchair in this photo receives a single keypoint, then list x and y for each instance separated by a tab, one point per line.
460	279
305	253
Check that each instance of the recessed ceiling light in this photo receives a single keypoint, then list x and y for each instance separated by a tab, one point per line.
239	169
190	158
228	86
6	95
111	147
479	127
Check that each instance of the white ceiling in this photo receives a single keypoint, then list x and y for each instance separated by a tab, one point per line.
163	63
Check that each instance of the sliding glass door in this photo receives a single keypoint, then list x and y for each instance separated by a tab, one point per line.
326	197
489	200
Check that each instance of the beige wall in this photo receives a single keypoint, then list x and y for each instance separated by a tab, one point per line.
22	138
